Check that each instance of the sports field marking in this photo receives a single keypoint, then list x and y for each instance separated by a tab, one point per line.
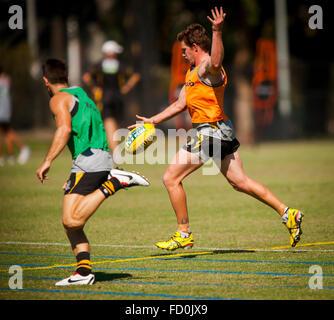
67	244
166	283
162	256
176	258
115	261
282	274
299	245
277	248
117	293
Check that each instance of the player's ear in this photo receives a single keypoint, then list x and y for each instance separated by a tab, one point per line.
46	81
195	47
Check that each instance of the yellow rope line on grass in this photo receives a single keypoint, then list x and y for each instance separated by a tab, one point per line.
304	245
115	261
298	245
169	256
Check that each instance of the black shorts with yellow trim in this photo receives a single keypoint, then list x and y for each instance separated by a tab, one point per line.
210	147
85	182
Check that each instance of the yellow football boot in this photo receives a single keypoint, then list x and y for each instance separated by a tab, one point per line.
293	224
176	242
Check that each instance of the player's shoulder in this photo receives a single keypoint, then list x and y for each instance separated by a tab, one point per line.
61	98
205	67
62	95
208	72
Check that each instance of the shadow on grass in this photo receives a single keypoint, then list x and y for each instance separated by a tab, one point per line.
231	251
102	276
188	255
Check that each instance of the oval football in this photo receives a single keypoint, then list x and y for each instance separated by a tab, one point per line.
139	138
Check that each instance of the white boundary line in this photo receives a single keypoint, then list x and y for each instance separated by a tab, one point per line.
67	244
153	247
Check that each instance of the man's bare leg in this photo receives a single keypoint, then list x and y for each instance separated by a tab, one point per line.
77	209
111	126
231	167
182	165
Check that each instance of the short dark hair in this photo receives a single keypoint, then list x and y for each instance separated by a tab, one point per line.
55	71
195	33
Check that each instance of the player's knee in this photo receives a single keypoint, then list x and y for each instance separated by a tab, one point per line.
168	180
165	179
71	223
240	185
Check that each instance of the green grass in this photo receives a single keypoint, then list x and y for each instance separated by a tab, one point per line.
224	223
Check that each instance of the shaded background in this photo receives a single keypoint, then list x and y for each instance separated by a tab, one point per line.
147	30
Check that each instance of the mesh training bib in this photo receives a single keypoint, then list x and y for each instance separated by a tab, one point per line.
204	101
87	125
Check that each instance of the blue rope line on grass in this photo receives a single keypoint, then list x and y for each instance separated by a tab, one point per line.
187	271
170	296
165	283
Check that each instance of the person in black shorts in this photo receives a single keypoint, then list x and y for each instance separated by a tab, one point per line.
203	96
93	179
108	83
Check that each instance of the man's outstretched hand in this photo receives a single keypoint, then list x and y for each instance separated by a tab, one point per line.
218	17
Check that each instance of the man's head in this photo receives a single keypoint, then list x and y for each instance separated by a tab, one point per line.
194	37
111	49
54	73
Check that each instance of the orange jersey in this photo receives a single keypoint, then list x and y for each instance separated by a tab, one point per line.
204	101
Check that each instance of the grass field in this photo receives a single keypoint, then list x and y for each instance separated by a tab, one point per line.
241	247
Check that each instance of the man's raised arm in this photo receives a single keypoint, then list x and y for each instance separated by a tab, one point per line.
217	48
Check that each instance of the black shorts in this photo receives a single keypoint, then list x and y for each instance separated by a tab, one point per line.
209	147
85	182
212	140
113	108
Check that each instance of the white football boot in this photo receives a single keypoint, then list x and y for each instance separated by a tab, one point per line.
128	179
76	279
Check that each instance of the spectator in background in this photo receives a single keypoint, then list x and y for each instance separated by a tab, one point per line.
6	130
109	81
